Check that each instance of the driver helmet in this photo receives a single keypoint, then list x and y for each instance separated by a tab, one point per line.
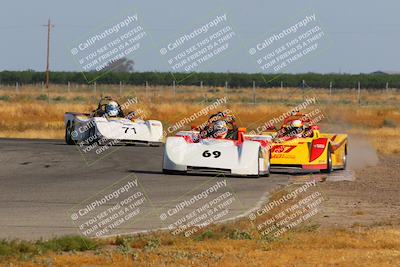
112	109
221	129
231	123
297	125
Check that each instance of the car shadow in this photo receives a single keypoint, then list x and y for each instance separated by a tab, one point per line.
294	173
222	175
145	172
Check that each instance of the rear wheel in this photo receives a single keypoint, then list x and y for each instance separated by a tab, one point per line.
68	133
268	166
172	172
344	158
155	144
329	165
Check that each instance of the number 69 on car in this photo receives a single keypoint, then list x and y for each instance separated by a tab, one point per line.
187	153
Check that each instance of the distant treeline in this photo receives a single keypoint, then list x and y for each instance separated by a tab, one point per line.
370	81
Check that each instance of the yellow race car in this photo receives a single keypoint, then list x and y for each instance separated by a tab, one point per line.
299	144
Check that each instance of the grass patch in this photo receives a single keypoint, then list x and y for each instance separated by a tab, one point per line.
69	243
79	99
240	235
59	99
152	244
389	123
208	234
5	98
329	247
42	97
25	249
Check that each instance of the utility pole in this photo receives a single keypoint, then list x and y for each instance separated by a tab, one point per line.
49	26
254	92
174	87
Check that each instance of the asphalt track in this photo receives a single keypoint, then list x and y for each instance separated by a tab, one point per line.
42	180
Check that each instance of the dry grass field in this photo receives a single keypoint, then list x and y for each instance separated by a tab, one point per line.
378	247
32	112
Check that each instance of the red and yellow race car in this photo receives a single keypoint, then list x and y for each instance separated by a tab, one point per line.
299	144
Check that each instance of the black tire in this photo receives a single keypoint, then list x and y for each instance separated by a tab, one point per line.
95	139
155	144
258	167
344	158
329	165
68	133
171	172
260	156
253	175
267	174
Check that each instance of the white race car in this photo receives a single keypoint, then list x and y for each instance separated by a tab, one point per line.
244	155
100	127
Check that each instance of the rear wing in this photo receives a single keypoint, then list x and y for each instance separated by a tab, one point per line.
334	138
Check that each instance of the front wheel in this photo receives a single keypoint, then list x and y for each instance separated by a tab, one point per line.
155	144
172	172
68	133
329	165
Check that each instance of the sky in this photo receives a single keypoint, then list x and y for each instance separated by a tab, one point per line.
358	36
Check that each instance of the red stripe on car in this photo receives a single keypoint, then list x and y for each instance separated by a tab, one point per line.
317	148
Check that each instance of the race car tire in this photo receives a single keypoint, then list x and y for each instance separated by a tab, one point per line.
259	156
95	138
68	133
269	167
268	171
171	172
155	144
329	166
344	159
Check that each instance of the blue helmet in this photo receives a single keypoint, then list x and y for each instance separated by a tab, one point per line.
112	109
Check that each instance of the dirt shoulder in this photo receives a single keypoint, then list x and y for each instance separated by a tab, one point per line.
372	199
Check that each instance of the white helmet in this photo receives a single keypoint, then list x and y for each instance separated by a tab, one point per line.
297	123
221	129
112	109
